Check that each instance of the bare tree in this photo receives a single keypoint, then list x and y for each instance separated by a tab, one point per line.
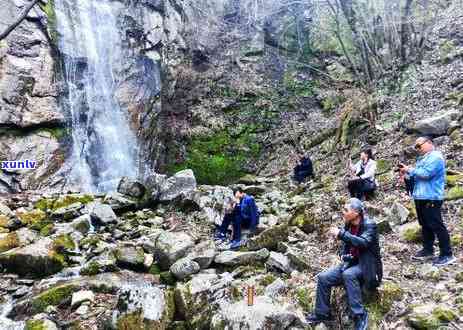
18	21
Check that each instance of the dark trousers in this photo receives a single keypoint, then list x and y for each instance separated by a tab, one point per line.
300	176
430	218
358	187
237	222
350	278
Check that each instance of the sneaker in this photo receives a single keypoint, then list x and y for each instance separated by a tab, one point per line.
444	260
361	322
317	318
423	255
234	245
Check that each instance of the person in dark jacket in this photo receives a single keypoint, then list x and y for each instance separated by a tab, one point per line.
244	214
232	211
361	265
303	169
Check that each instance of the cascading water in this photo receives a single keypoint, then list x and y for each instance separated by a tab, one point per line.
104	147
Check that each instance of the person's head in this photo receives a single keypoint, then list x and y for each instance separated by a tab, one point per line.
238	193
352	212
366	154
424	145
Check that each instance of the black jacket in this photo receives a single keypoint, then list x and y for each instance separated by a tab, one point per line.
305	166
370	254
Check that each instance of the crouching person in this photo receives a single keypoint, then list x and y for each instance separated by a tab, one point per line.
242	213
361	266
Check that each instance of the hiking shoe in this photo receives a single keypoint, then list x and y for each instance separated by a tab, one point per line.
220	237
443	261
361	322
317	318
423	255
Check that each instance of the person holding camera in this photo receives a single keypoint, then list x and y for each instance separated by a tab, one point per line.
363	179
428	179
362	263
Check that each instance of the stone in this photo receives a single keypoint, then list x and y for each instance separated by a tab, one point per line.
5	210
33	261
203	253
129	256
232	258
436	125
398	213
269	238
68	212
42	324
411	232
184	267
263	314
82	224
82	296
144	306
130	187
275	288
119	202
429	272
167	189
102	214
279	261
169	247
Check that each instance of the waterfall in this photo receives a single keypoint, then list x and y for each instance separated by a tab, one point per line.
104	147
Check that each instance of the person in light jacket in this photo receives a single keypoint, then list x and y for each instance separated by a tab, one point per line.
363	180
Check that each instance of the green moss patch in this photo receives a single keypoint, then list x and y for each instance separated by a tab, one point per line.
53	297
53	204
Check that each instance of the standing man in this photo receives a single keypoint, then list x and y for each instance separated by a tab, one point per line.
361	258
428	192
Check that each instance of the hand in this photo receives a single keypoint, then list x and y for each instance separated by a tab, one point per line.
334	231
404	168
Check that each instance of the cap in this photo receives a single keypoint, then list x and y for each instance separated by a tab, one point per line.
356	205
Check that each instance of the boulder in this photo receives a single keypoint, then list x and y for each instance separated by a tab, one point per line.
129	256
436	125
169	247
398	213
279	261
144	306
167	189
34	261
130	187
68	212
184	267
82	296
275	288
263	314
430	316
411	232
203	253
119	202
232	258
269	238
102	214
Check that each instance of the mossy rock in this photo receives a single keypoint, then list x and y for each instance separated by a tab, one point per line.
53	297
456	240
455	193
269	238
167	278
453	180
91	269
459	278
63	243
40	325
444	314
8	241
53	204
31	218
305	221
422	318
4	221
411	233
155	269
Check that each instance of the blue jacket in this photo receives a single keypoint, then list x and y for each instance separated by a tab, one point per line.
249	211
429	176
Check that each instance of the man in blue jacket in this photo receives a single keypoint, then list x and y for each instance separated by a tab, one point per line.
303	169
428	193
245	215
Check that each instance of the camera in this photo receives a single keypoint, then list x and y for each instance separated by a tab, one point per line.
398	167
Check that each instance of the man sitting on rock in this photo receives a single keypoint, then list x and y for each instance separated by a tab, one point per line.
361	264
243	215
303	169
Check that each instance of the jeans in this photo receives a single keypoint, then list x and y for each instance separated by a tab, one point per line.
350	278
300	176
236	222
430	218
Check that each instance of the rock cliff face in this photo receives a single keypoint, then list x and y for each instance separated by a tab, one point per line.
220	61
